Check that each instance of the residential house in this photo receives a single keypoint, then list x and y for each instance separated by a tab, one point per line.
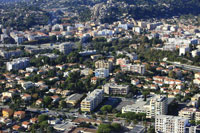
55	98
26	97
19	114
7	113
26	124
94	80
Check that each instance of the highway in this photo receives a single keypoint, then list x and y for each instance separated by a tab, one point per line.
185	66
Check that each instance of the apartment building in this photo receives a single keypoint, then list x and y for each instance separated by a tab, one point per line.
170	124
104	64
101	73
87	52
74	99
9	54
158	105
133	68
188	113
122	61
195	100
115	89
65	48
184	50
197	116
17	64
92	100
193	129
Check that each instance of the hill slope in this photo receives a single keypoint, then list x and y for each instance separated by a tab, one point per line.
144	9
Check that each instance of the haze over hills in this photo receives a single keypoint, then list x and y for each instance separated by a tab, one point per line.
113	10
7	1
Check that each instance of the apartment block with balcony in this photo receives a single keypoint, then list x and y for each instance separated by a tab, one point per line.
104	64
65	48
170	124
188	113
101	73
157	105
17	64
137	68
92	100
115	89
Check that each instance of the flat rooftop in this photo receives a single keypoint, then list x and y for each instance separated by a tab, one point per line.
75	97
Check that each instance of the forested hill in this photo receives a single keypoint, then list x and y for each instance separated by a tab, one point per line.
10	1
143	9
112	10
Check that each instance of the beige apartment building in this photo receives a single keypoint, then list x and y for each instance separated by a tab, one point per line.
188	113
104	64
92	100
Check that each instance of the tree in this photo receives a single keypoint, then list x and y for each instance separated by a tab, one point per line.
147	67
132	116
35	96
107	128
63	104
151	130
50	129
145	93
106	108
198	122
47	100
116	127
34	127
104	128
43	124
192	122
172	74
42	118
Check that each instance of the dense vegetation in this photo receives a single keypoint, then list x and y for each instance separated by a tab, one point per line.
145	9
138	9
23	16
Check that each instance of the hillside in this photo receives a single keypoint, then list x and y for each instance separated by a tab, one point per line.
144	9
112	10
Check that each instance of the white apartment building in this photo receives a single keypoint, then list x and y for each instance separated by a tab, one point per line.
134	68
101	73
17	64
157	105
197	116
66	48
183	50
92	100
170	124
9	54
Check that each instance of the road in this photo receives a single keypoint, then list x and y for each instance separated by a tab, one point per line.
57	113
46	45
185	66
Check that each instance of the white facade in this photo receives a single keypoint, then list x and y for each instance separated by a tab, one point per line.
65	48
101	73
170	124
134	68
156	106
17	64
183	50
